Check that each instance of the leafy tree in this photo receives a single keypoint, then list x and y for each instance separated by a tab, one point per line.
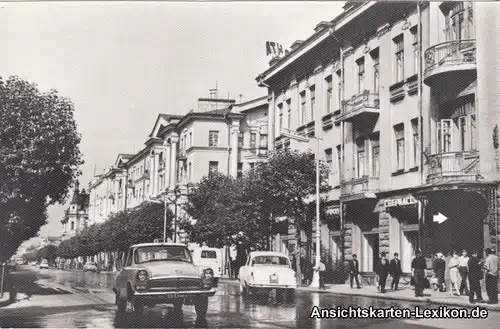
49	252
212	203
286	183
146	223
39	158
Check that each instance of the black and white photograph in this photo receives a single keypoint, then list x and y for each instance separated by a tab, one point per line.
249	164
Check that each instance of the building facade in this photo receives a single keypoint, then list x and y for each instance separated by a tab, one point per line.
76	216
406	147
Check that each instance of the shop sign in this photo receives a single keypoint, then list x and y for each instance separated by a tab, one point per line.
333	210
400	201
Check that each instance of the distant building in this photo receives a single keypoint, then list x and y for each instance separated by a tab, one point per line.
76	215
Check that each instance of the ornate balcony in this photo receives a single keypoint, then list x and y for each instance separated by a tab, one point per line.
451	59
362	105
359	185
448	166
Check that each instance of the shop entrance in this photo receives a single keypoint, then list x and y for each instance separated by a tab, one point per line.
409	243
463	228
369	251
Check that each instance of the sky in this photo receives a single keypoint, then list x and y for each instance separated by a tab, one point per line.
123	63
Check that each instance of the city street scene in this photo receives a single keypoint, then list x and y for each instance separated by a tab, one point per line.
249	164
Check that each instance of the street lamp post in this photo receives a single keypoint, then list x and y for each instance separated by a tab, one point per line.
289	134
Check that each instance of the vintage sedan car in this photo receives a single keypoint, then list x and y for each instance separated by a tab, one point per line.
162	273
90	266
265	271
44	264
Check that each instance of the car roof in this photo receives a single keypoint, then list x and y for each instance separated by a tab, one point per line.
267	253
154	244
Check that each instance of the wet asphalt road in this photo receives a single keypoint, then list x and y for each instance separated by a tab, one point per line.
62	299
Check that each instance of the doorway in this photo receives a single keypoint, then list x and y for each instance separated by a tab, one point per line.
409	243
369	251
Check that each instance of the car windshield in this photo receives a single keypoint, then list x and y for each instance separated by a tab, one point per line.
44	261
270	260
208	254
156	253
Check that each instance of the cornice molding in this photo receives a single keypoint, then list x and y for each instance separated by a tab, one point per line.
383	30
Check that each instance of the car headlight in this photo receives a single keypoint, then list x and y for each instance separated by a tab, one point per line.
142	276
208	273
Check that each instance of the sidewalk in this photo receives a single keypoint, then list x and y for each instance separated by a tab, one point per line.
405	293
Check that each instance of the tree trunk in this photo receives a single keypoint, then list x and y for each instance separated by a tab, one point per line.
298	254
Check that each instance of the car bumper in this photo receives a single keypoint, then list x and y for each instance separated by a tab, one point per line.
176	294
271	286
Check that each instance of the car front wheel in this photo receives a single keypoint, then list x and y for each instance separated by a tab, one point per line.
201	306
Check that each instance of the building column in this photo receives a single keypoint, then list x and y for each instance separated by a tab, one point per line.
151	171
235	129
270	124
174	139
166	169
155	174
124	189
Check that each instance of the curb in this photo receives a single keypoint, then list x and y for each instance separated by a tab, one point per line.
427	300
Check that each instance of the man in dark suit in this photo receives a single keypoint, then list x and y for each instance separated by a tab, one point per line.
354	270
382	270
396	271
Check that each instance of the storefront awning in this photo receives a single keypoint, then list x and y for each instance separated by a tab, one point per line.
359	196
452	185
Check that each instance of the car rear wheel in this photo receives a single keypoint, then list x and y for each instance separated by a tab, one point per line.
201	306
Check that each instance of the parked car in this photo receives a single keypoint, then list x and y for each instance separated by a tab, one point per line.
208	257
265	271
44	264
90	266
162	273
33	263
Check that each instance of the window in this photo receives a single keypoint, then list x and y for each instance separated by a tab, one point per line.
329	94
328	158
240	170
473	132
399	134
190	139
375	156
416	142
360	157
339	89
302	108
280	120
241	139
189	171
160	182
209	254
263	141
361	73
312	92
376	70
416	52
457	26
339	161
399	58
253	140
72	226
213	138
289	109
462	128
213	167
444	136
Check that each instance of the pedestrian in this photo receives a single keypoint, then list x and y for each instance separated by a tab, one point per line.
396	271
418	266
491	276
454	274
464	271
321	268
475	273
382	270
307	270
439	267
354	271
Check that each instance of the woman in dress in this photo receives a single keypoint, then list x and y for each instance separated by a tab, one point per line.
454	274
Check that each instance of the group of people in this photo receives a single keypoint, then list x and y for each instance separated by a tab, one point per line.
383	268
465	274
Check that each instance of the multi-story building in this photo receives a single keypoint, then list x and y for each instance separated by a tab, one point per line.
392	91
76	216
220	136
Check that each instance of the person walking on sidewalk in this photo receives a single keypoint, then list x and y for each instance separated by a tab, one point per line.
419	265
439	268
354	270
464	271
382	270
454	275
396	271
475	274
321	268
491	276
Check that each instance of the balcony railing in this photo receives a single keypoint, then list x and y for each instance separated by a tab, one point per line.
359	185
365	102
447	55
461	165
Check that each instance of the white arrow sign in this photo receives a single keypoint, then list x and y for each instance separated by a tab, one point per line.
439	218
